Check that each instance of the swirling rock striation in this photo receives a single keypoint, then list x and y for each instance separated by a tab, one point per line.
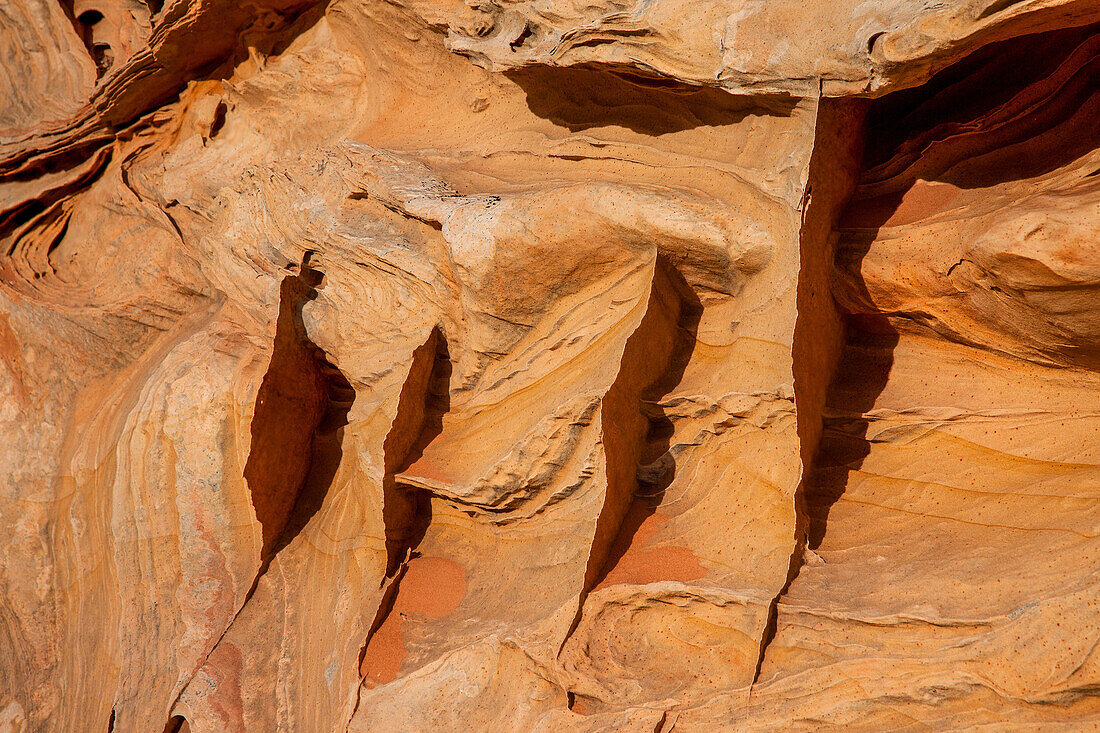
549	366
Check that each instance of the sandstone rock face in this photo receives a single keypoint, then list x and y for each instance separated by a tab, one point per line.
545	366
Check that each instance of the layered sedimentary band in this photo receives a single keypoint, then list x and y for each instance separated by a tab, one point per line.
545	366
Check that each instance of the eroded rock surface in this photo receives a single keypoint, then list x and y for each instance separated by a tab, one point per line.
549	366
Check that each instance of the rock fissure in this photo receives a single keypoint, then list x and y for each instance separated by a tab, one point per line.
424	401
774	340
301	408
819	335
652	363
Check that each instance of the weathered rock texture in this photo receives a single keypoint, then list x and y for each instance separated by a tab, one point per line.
631	365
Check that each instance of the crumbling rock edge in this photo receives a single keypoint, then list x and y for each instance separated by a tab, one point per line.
654	366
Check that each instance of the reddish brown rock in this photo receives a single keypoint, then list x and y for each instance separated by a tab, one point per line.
530	366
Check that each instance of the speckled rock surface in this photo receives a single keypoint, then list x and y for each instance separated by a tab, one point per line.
664	365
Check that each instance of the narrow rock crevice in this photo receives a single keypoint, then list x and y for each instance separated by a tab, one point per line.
636	431
390	585
424	400
819	333
302	407
406	510
302	403
771	627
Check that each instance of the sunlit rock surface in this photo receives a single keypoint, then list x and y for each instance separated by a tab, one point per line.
548	366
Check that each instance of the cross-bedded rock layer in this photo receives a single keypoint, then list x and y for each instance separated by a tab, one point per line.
651	366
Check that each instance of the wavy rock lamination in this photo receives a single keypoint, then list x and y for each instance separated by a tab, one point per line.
528	366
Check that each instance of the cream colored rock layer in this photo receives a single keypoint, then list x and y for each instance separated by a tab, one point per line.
422	366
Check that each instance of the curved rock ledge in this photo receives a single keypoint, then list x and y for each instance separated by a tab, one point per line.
637	365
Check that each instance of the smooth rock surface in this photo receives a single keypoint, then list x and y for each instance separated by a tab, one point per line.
654	366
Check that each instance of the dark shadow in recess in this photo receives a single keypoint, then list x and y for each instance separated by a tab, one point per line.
914	134
941	132
89	27
297	429
861	376
582	97
177	724
861	373
425	399
635	428
820	331
986	121
1002	119
407	510
657	462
